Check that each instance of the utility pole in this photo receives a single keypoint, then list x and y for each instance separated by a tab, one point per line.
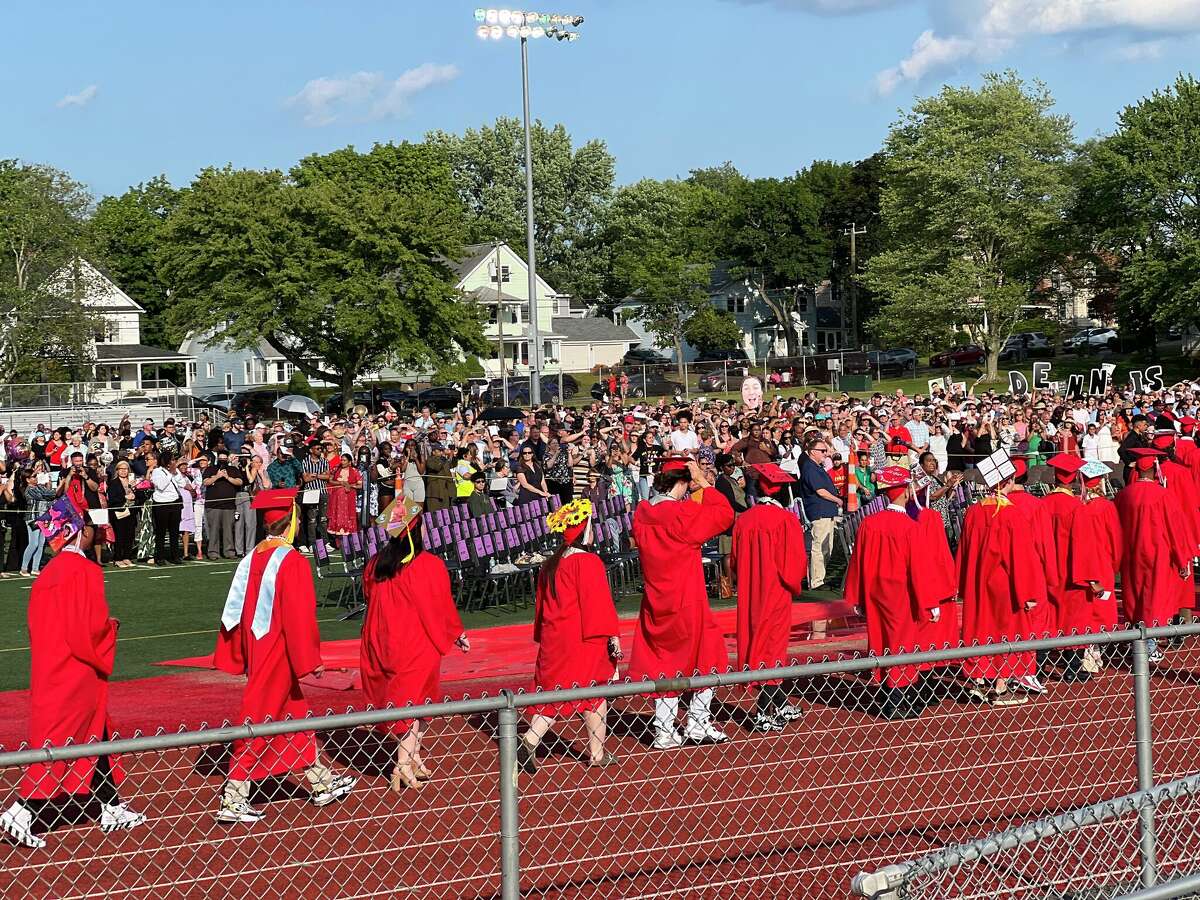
500	325
853	232
535	343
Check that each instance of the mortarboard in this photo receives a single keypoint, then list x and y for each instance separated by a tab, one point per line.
570	520
399	517
1187	424
892	477
997	468
674	464
1065	466
1146	457
275	503
61	522
771	478
1093	470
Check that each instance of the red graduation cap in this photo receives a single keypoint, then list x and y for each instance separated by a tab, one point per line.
891	478
1188	424
1147	457
1066	466
674	464
771	478
276	503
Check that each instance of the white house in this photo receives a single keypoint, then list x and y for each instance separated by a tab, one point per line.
762	337
120	361
496	277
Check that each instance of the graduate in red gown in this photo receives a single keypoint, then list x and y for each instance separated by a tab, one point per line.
1157	555
676	632
1043	617
410	624
72	646
1001	580
1180	481
269	633
575	626
1094	560
900	589
769	562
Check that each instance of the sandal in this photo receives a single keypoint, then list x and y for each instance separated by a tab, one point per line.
422	773
402	778
608	759
1008	698
526	758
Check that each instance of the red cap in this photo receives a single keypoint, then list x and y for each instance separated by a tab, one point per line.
275	504
1146	457
771	478
1162	441
674	464
629	420
891	478
1066	466
1021	468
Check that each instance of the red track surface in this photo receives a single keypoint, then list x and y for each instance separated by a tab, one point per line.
791	815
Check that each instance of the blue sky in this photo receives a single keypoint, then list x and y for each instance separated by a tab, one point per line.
116	93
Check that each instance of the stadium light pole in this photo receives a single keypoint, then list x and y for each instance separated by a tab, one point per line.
497	24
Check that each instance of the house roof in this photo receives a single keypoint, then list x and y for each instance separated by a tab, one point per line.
131	353
99	290
488	295
473	255
592	330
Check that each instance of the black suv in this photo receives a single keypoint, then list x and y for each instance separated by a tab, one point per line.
257	402
642	356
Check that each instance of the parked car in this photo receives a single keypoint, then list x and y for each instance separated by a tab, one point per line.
962	355
1087	339
220	400
894	363
372	399
642	356
731	361
258	402
652	384
720	381
439	398
1028	344
518	390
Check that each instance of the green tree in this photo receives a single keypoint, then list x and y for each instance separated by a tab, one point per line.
709	330
976	187
657	232
339	267
298	384
42	215
126	234
772	232
1138	210
571	188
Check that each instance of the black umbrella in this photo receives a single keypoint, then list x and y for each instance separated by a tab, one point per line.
501	414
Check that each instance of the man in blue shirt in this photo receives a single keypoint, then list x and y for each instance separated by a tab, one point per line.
821	504
234	437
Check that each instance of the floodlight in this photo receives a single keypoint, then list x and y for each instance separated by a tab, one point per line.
505	17
513	31
496	32
576	21
526	31
492	16
484	32
481	15
537	31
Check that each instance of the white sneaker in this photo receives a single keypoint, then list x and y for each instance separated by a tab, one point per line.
765	724
1029	684
17	824
789	713
704	734
338	789
119	817
668	740
238	812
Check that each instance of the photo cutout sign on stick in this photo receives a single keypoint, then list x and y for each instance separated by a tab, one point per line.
997	467
752	393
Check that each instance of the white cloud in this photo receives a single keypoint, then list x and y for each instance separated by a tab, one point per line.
366	96
1141	51
83	98
929	53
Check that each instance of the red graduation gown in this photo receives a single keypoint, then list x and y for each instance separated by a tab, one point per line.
72	645
572	627
273	666
676	633
1070	603
411	623
998	572
891	579
937	563
1096	547
1181	482
770	562
1043	619
1156	550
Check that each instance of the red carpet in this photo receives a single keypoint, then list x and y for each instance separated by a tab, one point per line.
507	652
500	657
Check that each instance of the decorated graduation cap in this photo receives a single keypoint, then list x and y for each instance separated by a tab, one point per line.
1092	472
60	523
771	478
893	479
997	468
570	520
276	504
399	519
1066	466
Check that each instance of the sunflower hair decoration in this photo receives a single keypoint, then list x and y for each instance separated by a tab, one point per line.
574	513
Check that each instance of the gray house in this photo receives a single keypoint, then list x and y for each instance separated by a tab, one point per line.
219	369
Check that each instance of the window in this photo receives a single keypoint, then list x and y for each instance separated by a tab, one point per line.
105	332
191	374
281	372
548	351
210	370
504	276
246	374
521	314
802	303
111	374
492	317
229	381
524	353
735	303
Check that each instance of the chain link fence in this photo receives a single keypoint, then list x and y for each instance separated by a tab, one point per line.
617	801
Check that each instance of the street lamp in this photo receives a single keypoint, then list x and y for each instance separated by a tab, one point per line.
497	24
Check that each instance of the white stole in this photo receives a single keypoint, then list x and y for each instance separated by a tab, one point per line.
236	599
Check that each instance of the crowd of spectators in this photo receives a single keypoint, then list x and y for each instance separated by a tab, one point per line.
182	490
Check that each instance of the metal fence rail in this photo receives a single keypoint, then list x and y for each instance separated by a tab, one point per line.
792	813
